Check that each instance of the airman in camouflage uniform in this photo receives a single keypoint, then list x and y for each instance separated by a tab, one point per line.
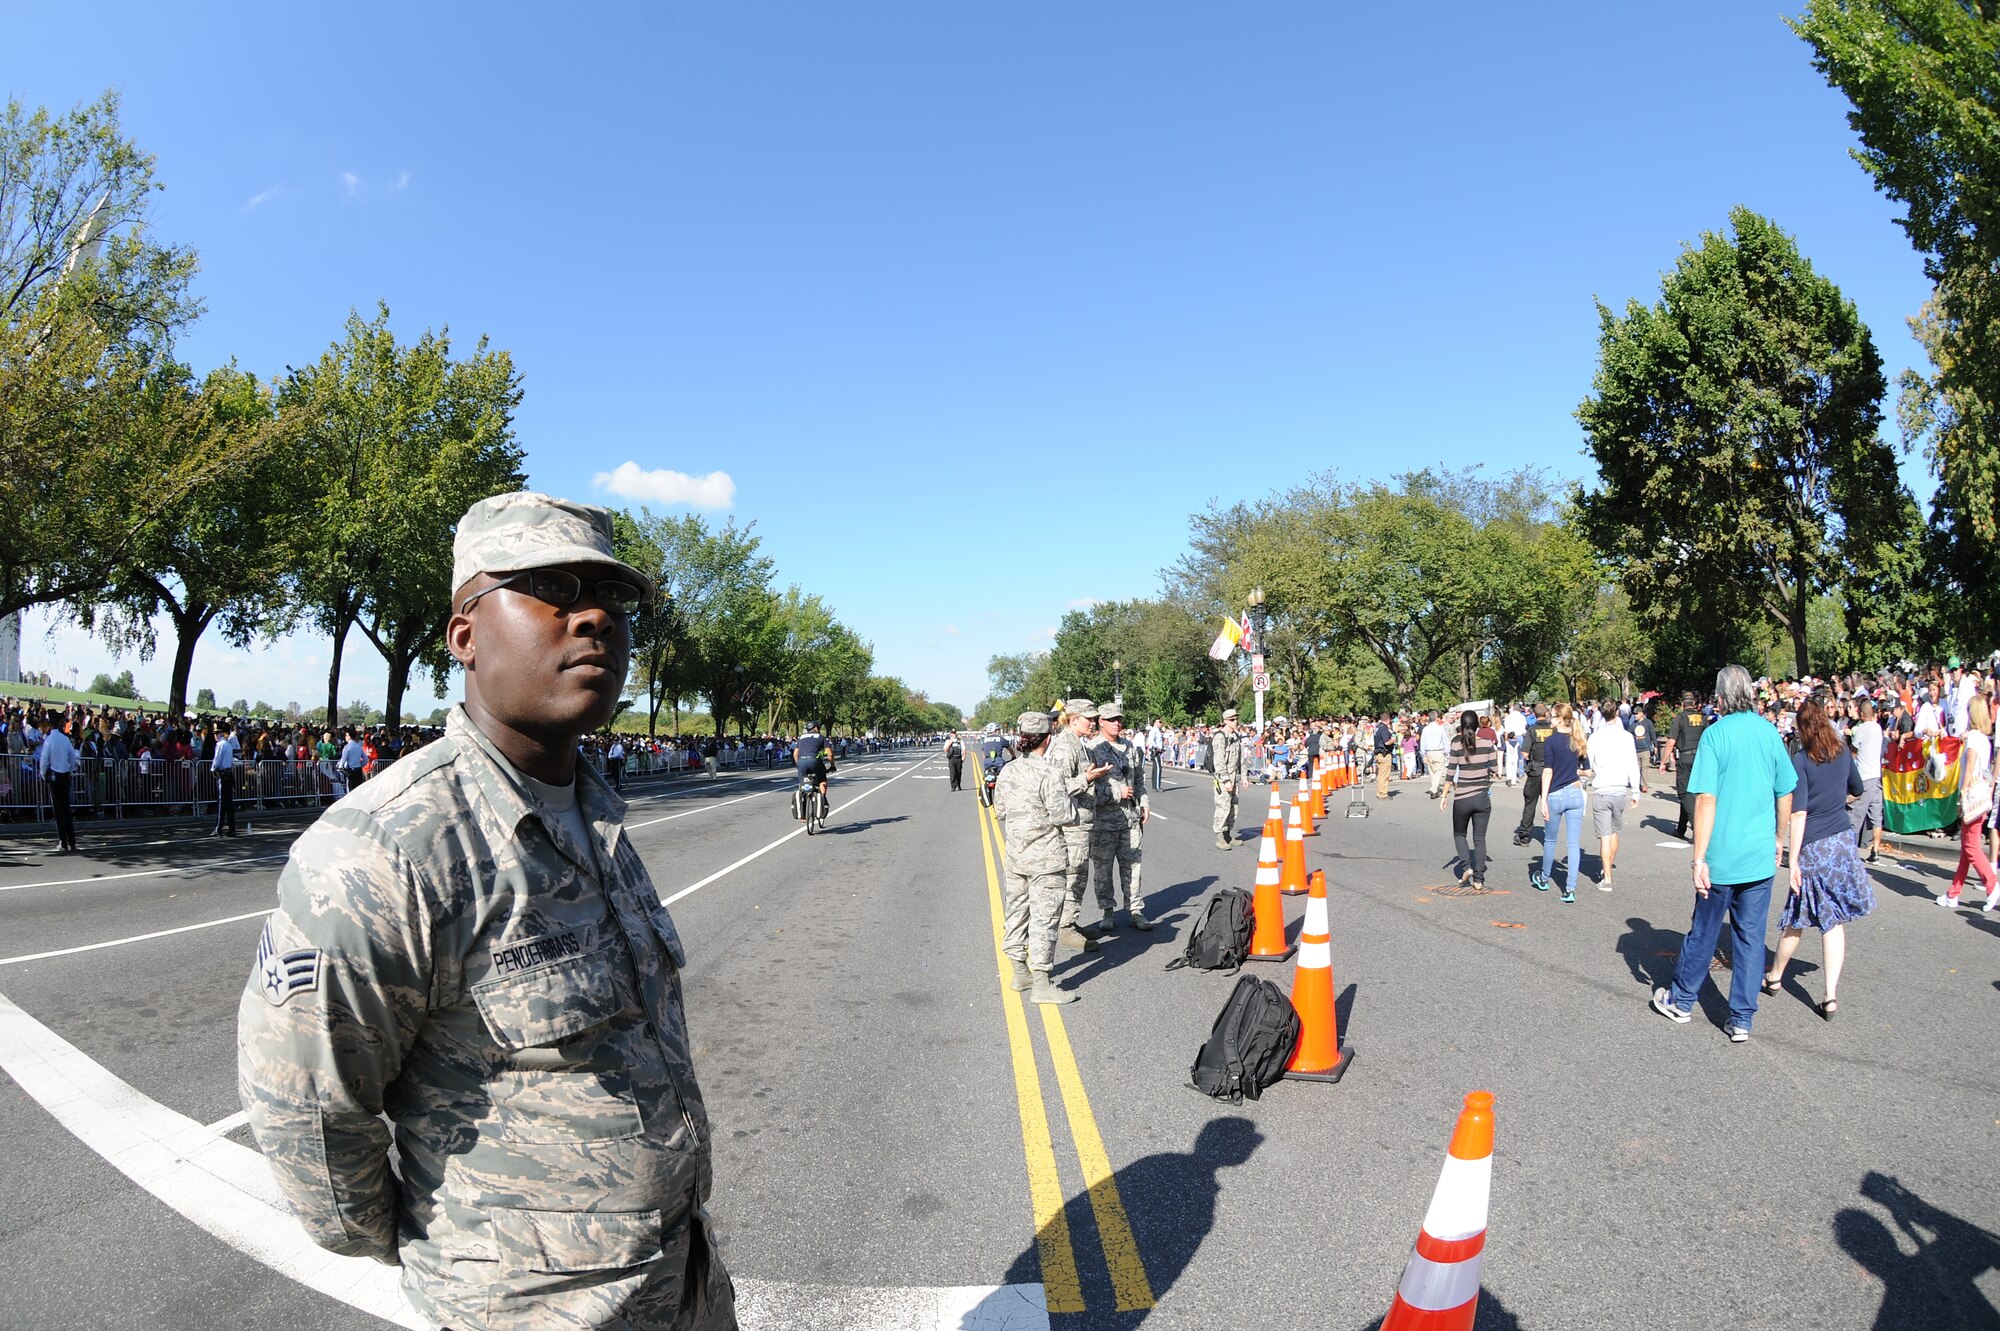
470	946
1122	810
1034	810
1069	754
1226	765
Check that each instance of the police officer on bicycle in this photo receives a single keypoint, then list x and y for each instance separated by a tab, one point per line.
994	752
814	757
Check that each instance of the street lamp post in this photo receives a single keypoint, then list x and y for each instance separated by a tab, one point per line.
1117	681
1256	599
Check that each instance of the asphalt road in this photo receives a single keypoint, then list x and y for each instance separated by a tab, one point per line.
887	1118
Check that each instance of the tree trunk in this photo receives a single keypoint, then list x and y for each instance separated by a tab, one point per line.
399	682
345	622
188	628
1801	595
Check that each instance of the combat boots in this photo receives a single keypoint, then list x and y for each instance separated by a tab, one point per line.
1139	920
1075	939
1045	991
1224	843
1022	976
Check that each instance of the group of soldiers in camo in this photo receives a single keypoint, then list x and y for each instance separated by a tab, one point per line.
1072	807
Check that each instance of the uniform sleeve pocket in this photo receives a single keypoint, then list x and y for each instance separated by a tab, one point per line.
553	1003
558	1242
663	925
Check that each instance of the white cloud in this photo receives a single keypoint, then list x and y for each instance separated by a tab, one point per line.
663	486
350	183
952	629
257	200
1049	633
402	180
1082	603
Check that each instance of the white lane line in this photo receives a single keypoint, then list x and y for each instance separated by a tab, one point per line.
136	938
952	1308
1676	845
141	873
692	888
222	1127
225	1188
687	813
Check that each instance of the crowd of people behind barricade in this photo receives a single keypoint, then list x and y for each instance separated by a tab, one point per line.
126	762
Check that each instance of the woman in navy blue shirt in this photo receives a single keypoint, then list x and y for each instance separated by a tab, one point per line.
1829	883
1562	797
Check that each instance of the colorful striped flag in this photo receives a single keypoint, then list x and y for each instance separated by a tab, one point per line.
1914	800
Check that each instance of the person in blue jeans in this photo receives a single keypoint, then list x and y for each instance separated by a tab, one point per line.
1562	797
1742	786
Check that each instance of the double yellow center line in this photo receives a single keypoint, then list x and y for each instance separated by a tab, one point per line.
1061	1285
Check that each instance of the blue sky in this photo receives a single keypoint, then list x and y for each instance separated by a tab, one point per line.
971	305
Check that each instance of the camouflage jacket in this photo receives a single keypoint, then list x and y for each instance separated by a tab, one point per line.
1033	807
1071	758
445	953
1227	756
1128	765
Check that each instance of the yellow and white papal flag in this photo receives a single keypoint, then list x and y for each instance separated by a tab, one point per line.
1225	641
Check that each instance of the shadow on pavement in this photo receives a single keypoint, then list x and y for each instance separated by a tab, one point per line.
1492	1315
1169	1197
848	829
1933	1288
1649	951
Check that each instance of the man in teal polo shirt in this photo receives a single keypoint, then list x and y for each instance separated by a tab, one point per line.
1742	783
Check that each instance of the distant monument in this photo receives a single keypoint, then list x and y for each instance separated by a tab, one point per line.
10	649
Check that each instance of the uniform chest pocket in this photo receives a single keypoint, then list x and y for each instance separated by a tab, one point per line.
551	1004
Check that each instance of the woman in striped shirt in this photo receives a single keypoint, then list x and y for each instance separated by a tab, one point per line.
1474	758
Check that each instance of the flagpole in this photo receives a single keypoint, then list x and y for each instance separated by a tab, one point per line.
1256	599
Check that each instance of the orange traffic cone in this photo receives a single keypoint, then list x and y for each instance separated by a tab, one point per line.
1319	1055
1277	809
1304	801
1292	878
1440	1289
1340	772
1319	792
1267	940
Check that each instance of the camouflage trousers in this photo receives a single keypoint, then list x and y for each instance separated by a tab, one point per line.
1033	904
1076	842
1225	811
1114	863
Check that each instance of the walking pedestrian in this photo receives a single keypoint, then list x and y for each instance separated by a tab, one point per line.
56	760
1118	833
1563	754
1225	765
1829	882
1975	800
1742	783
472	948
1534	745
954	760
223	764
614	764
1069	754
1385	756
1865	739
1473	761
1432	741
1614	790
1683	743
1034	808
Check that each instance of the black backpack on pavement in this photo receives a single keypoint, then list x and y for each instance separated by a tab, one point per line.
1220	939
1251	1042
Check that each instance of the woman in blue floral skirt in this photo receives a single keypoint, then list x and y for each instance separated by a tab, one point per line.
1830	884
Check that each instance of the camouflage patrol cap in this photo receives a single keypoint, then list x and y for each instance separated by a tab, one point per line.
1228	713
1111	711
1080	707
511	532
1033	723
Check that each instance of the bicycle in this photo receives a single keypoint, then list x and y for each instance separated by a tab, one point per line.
809	805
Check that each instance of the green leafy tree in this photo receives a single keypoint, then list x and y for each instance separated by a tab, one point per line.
395	442
1925	89
121	687
205	699
1734	429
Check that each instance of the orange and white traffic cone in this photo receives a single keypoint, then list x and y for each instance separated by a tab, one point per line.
1440	1289
1319	1056
1277	808
1304	803
1319	791
1267	937
1292	867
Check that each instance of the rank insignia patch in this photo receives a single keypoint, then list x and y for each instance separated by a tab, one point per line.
282	974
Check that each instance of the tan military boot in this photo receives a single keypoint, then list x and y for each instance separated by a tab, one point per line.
1045	991
1075	939
1022	976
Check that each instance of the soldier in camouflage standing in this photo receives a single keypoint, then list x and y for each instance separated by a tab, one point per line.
1122	809
1226	766
1034	809
469	946
1069	754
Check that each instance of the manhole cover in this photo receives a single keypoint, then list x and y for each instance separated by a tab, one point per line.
1460	890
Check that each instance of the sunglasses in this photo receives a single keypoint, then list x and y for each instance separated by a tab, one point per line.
559	587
